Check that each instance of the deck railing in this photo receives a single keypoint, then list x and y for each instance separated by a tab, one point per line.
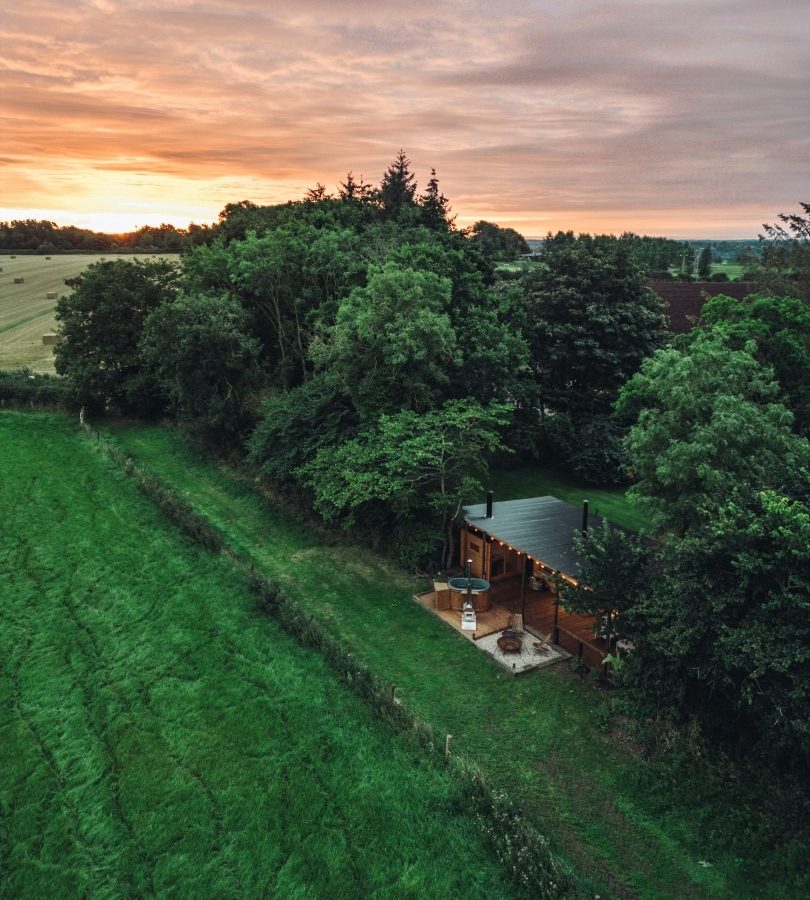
577	646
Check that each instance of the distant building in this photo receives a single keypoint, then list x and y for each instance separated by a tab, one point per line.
685	299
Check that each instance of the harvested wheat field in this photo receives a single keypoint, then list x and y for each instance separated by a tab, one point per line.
27	310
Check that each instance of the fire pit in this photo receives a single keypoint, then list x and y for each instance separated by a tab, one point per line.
510	642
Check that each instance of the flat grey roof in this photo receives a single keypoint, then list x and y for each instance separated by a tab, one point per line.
542	527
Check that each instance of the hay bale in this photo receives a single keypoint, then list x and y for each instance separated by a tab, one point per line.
51	295
19	280
50	339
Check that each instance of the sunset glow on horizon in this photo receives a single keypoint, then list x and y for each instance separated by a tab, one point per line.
672	117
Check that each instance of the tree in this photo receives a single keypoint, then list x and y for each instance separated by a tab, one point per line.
435	206
351	191
704	263
295	424
687	261
707	422
780	328
392	344
206	269
410	461
398	188
724	631
499	243
591	321
317	194
100	326
290	279
609	558
204	362
785	265
656	254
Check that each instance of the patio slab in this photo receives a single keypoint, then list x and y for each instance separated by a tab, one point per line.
515	663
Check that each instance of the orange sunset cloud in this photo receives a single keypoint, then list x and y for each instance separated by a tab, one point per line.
671	117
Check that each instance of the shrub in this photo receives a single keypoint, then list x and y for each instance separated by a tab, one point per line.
24	387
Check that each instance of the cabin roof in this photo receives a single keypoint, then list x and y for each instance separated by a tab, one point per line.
542	527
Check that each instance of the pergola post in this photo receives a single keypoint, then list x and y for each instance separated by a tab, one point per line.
526	564
557	617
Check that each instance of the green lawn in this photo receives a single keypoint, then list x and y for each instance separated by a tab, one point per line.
634	830
733	270
160	735
536	481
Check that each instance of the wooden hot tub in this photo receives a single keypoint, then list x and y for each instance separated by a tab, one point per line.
458	594
480	601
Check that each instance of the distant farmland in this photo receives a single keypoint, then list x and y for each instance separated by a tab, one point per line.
26	313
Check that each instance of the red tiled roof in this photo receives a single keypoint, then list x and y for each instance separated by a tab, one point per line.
685	299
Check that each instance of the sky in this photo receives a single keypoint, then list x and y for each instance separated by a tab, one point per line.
686	118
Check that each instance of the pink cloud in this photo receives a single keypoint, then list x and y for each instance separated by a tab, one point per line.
688	114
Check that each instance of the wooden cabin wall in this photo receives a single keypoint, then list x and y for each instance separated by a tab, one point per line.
474	547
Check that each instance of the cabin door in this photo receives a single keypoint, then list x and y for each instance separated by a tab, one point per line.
473	548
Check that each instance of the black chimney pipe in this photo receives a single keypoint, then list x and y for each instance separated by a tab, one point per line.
584	516
490	495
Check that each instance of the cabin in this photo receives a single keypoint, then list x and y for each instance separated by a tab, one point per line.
525	549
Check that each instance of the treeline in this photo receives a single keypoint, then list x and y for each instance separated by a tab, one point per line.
363	353
656	254
42	236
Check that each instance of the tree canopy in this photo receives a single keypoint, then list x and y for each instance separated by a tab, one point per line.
780	330
723	629
392	342
785	267
205	362
100	325
497	242
590	321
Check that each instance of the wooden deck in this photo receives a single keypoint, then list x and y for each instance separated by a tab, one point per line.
540	609
496	618
575	635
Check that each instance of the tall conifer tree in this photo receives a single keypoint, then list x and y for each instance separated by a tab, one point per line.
398	187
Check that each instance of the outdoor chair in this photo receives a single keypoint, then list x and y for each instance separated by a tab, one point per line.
514	624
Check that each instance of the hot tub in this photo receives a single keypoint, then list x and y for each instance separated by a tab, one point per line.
478	588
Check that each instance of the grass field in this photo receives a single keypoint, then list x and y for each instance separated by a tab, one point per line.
159	735
733	270
26	313
635	828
